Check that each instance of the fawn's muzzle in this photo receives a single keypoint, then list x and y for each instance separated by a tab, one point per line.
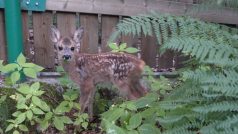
66	57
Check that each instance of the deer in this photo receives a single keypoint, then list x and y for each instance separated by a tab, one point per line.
86	70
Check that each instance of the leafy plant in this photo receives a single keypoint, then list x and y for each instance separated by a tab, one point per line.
122	48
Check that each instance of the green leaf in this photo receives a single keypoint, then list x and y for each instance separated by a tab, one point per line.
23	128
37	110
38	68
28	65
133	132
35	86
21	118
112	128
48	115
85	125
29	114
21	59
134	121
113	46
16	132
30	72
131	50
146	101
9	127
15	114
58	123
24	89
36	101
148	129
114	114
15	76
115	51
9	67
122	46
44	125
66	120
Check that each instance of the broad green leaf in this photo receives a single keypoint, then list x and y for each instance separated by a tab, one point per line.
15	76
23	128
38	92
37	111
122	46
28	65
66	120
36	101
146	101
85	125
21	59
38	68
131	50
16	132
24	89
134	121
9	127
22	106
21	118
9	67
15	114
44	125
58	123
133	132
30	72
114	114
66	97
148	129
115	51
48	115
29	114
113	129
131	106
35	86
113	46
44	106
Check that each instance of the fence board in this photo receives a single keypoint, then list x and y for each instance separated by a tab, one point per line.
90	38
66	23
3	52
26	43
108	26
149	49
132	7
44	52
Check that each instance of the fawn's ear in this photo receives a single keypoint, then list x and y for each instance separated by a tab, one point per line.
55	34
78	34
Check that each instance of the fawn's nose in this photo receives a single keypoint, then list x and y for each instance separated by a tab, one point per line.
66	57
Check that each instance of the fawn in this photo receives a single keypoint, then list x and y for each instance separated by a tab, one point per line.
86	70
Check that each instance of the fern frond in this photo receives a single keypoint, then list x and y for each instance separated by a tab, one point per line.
217	107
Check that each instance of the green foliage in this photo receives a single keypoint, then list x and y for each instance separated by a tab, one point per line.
122	48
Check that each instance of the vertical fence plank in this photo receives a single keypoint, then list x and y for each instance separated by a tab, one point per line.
66	23
90	39
149	49
3	54
44	52
26	43
108	26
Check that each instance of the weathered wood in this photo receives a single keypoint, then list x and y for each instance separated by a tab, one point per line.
3	52
44	52
134	7
26	43
149	49
89	43
66	23
108	26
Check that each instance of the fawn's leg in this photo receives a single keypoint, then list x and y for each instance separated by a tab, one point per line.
87	92
124	89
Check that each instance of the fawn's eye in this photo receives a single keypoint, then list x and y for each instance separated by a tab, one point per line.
72	48
60	48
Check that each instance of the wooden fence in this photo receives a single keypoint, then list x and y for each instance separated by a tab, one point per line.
98	17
